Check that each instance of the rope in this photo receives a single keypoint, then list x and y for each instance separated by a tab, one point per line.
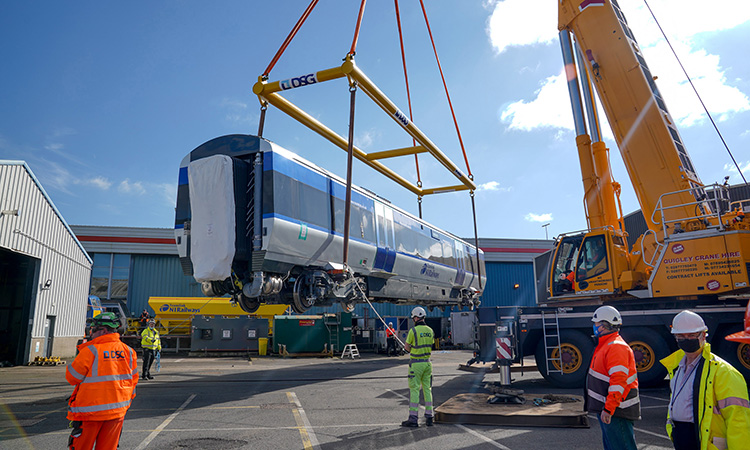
364	295
408	95
437	59
696	92
289	38
353	50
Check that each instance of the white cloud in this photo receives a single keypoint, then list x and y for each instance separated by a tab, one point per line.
168	192
550	106
521	22
54	146
531	217
540	112
236	112
493	186
734	173
126	187
99	182
365	139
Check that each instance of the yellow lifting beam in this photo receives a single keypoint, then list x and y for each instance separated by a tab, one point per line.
268	92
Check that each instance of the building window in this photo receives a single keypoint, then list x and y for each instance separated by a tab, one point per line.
109	275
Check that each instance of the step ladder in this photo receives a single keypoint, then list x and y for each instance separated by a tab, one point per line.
351	351
551	331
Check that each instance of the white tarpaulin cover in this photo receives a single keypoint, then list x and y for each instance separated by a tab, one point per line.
212	223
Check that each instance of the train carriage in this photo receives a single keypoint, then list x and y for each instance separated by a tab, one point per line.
261	224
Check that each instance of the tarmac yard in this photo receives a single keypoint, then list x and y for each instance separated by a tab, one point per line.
295	403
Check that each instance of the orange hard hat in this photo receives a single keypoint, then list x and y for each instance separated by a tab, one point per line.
742	336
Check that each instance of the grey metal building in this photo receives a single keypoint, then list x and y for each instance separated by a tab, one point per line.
44	272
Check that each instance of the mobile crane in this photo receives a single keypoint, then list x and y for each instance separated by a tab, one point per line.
694	255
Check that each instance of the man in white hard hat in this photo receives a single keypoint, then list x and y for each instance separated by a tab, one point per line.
709	405
419	342
612	382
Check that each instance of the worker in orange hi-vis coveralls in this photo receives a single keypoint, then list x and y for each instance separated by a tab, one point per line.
104	374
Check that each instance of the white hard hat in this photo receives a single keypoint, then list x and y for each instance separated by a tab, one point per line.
418	312
390	323
688	322
607	314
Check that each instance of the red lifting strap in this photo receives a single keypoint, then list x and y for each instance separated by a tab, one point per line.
353	50
455	122
408	92
290	37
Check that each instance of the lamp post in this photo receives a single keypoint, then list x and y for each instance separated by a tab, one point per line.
545	230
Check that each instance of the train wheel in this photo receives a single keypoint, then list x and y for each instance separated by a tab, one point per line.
649	348
735	353
249	305
300	302
575	355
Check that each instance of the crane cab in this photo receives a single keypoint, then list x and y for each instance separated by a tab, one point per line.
588	263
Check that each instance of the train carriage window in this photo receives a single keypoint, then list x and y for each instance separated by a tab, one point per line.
314	206
406	234
361	220
297	200
267	192
286	197
448	258
367	224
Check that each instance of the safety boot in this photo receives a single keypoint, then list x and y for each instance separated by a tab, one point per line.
410	423
429	420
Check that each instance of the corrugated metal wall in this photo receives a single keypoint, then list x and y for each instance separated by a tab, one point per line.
501	278
158	276
39	231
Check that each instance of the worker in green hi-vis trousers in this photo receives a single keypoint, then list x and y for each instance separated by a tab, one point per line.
419	345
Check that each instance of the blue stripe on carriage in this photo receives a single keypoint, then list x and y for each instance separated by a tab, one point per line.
183	177
390	259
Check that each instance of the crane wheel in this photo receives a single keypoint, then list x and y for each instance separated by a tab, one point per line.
649	347
574	353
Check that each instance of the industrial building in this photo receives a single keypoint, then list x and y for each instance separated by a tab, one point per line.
44	272
133	264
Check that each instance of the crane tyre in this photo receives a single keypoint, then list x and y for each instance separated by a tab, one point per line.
577	349
649	347
735	353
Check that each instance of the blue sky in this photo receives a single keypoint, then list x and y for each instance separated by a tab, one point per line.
104	99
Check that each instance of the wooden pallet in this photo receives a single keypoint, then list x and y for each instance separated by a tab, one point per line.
474	409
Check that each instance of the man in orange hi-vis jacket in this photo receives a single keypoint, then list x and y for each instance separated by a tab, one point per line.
612	382
104	374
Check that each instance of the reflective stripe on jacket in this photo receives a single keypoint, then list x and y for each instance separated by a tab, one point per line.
421	339
722	410
104	374
150	339
612	381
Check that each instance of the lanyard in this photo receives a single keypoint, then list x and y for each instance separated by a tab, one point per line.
687	377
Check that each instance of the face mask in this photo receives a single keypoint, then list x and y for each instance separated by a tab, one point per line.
689	345
597	333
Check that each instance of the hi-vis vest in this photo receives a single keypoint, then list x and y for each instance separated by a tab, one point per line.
104	374
612	382
722	411
150	339
421	339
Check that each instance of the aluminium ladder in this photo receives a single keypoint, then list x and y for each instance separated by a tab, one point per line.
551	331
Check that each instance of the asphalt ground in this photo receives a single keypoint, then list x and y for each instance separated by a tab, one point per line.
295	403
